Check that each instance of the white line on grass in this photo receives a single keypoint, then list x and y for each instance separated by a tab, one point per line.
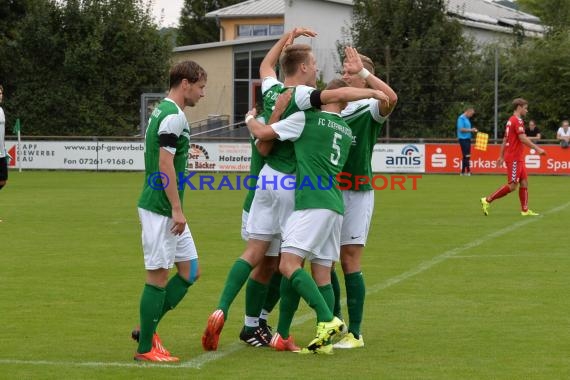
205	358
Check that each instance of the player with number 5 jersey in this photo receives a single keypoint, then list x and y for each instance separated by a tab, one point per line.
322	141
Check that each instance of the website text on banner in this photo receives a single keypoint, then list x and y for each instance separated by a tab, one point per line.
118	155
446	158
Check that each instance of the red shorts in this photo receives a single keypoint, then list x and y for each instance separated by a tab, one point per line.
516	171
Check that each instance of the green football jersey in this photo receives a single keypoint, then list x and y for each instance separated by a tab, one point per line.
167	118
282	155
364	119
322	142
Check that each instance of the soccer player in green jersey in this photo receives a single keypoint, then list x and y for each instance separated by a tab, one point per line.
262	287
365	118
262	247
272	204
166	238
321	142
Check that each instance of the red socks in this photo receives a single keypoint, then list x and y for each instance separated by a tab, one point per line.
523	196
501	192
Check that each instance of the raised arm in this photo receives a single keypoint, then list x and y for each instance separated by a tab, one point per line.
353	64
349	94
267	67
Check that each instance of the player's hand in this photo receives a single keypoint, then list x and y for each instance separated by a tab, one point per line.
178	222
475	130
282	102
298	32
540	151
352	62
252	112
500	162
380	95
305	32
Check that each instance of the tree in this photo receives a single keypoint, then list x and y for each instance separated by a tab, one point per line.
194	27
553	13
428	61
11	13
82	65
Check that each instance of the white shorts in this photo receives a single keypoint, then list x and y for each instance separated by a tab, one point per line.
161	247
313	234
275	245
244	234
358	209
272	204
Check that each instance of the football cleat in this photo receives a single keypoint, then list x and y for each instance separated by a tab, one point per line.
213	330
485	206
326	349
325	331
156	342
268	330
154	356
529	213
349	341
280	344
255	338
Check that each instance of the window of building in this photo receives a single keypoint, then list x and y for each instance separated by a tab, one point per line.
247	84
257	30
276	30
241	65
244	30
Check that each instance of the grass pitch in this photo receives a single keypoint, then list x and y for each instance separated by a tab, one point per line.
451	294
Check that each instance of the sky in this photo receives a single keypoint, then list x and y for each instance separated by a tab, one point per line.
171	10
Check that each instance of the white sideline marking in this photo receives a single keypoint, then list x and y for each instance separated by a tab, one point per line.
205	358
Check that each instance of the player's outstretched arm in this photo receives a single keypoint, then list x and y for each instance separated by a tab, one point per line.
267	67
349	94
258	129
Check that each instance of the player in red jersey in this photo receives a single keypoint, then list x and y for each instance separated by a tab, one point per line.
512	155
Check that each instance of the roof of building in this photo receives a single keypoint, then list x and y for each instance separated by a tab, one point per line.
485	14
251	8
489	8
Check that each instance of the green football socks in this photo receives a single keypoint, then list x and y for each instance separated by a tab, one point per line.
176	289
287	307
273	292
306	287
328	295
355	293
255	294
237	276
152	302
336	289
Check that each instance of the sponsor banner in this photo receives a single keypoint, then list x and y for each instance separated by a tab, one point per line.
223	157
398	158
77	155
446	158
115	155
